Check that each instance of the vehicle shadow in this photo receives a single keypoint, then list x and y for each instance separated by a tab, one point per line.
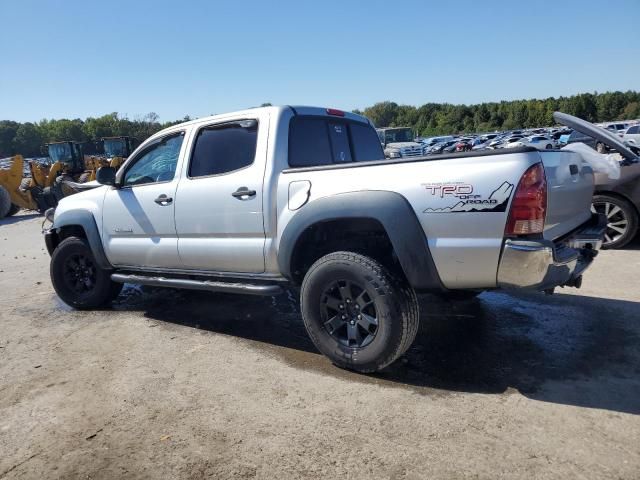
565	349
633	244
18	218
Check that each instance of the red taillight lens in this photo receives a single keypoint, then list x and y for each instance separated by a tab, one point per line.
335	112
529	205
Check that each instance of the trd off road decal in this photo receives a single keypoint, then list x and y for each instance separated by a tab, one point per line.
467	199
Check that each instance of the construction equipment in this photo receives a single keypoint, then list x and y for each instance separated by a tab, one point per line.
69	169
116	150
47	183
17	191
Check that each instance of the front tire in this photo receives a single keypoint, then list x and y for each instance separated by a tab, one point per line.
357	313
77	278
622	220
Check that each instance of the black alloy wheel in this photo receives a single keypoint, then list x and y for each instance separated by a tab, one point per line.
80	273
349	314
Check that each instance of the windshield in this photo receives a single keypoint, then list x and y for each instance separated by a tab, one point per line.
115	147
398	135
60	152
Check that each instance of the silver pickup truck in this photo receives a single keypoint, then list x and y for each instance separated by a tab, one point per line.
253	201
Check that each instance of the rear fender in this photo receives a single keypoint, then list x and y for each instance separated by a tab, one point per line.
390	209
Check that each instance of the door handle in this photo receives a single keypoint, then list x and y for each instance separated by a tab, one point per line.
163	200
243	192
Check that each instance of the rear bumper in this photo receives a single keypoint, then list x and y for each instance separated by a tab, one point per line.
543	264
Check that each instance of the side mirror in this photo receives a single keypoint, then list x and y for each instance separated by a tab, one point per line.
106	176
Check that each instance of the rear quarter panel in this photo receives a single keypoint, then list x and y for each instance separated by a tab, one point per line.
461	203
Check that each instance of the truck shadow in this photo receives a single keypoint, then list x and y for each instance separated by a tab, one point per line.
565	349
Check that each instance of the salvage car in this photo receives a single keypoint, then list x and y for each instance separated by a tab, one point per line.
539	142
632	135
619	200
299	197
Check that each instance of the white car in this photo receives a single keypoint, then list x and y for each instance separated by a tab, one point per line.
617	128
510	142
539	142
632	135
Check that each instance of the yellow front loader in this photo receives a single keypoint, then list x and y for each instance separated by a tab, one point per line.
18	191
49	183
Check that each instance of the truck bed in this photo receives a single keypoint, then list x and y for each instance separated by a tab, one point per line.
465	237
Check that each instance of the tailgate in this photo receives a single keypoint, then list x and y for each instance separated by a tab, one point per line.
569	192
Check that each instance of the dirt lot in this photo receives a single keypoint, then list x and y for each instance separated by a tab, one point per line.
172	384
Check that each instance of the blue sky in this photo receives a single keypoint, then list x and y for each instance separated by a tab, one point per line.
79	58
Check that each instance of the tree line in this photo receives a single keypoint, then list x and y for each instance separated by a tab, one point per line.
444	119
428	119
28	138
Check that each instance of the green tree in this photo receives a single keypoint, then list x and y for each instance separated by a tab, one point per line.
28	140
8	131
631	111
382	114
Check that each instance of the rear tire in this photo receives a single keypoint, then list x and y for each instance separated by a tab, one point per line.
622	220
5	202
77	278
357	313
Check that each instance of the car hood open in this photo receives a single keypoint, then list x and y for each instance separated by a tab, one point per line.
598	133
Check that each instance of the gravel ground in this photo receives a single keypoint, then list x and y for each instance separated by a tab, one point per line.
174	384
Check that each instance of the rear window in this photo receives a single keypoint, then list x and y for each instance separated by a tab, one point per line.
315	141
339	137
365	143
633	130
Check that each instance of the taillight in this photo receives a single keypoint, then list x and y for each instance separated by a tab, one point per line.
335	112
529	205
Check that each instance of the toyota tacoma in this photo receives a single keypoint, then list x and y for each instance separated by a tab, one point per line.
299	197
